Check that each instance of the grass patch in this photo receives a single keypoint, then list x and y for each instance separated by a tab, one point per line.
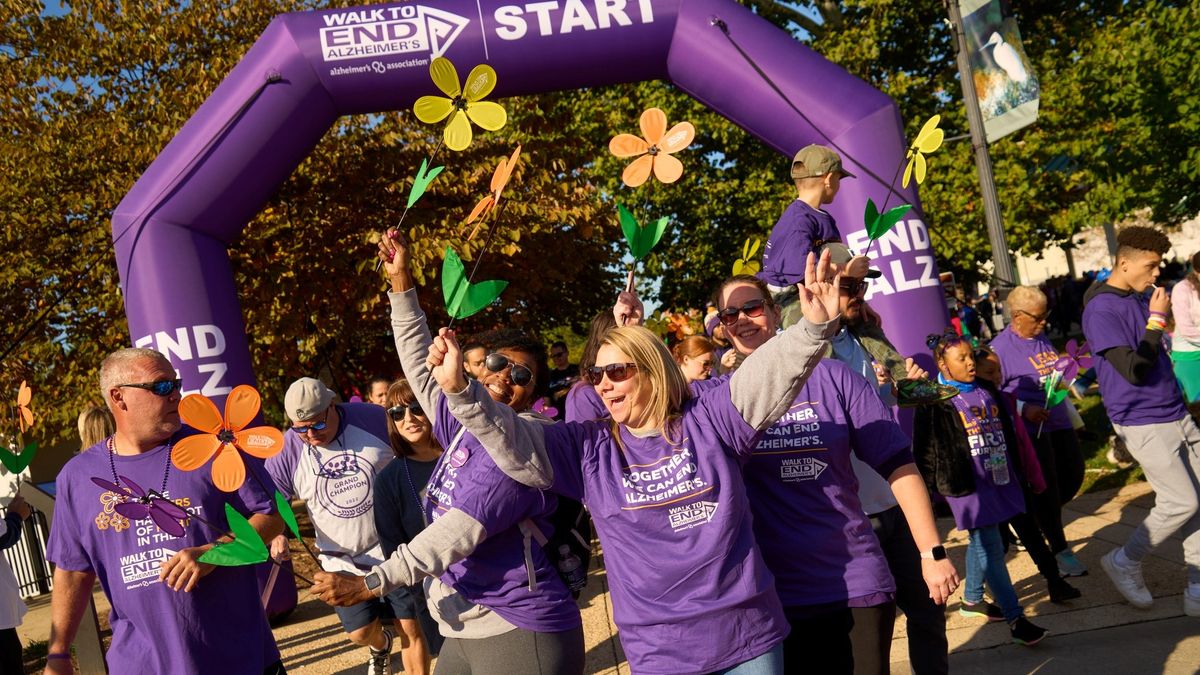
35	650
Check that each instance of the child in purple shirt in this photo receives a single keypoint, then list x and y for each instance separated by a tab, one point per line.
1147	409
804	226
972	426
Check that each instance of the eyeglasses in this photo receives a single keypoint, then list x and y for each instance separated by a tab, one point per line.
752	309
319	426
397	411
617	372
558	354
852	286
1037	318
520	375
159	388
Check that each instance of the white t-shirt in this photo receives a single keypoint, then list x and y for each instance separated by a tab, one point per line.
337	483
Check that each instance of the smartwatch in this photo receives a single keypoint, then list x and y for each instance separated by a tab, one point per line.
935	553
374	583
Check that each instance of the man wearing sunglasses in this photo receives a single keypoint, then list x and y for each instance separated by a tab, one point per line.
330	458
157	586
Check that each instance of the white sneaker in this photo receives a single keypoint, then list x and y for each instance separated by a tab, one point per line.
380	662
1128	580
1191	602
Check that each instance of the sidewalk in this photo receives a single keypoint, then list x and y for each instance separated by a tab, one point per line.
1097	634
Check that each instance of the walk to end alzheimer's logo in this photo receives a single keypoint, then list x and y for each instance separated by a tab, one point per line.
691	515
378	33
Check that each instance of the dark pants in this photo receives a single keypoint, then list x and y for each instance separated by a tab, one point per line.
926	620
1062	467
842	641
11	662
1029	530
517	652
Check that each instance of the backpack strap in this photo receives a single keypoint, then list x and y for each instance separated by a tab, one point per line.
531	532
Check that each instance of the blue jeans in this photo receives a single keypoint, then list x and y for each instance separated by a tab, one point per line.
985	561
770	663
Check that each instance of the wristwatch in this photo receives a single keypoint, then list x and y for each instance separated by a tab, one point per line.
935	553
374	583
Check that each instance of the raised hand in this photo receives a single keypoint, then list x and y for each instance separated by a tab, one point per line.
1159	300
445	362
628	310
914	372
819	292
393	252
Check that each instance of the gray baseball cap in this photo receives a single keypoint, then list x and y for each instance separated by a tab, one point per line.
306	398
840	254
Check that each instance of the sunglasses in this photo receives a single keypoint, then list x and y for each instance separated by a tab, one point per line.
397	411
1037	318
752	309
852	287
617	372
159	388
519	375
319	426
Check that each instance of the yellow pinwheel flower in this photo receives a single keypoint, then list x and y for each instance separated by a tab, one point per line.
463	105
928	140
747	264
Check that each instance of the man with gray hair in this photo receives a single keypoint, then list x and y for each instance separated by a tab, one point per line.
331	456
216	623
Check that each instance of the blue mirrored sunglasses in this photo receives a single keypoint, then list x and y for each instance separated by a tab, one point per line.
159	388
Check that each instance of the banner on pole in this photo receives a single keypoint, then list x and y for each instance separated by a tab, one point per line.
1005	83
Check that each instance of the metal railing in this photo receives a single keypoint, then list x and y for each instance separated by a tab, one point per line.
28	557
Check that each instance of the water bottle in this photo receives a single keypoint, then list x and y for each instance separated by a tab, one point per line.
999	462
570	567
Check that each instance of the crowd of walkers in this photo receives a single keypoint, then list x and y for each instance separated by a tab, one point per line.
759	502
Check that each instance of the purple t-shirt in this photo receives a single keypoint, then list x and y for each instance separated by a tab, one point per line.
495	575
584	404
808	519
799	230
1113	319
1026	364
219	627
691	592
991	502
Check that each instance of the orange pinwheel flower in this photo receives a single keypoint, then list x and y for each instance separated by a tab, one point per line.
24	411
488	204
655	149
224	437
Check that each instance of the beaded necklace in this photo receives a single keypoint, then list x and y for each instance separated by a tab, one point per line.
112	464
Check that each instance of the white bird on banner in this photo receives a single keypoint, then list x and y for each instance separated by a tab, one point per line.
1007	58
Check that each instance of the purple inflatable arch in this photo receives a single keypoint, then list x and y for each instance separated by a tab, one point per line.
309	68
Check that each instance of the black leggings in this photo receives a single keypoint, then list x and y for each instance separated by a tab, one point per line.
1062	467
11	661
843	641
1028	528
517	652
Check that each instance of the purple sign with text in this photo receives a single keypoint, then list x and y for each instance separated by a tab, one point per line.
310	68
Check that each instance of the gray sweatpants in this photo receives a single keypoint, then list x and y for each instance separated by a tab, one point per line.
1170	456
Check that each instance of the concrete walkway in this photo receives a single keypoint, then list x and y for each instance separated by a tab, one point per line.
1096	634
